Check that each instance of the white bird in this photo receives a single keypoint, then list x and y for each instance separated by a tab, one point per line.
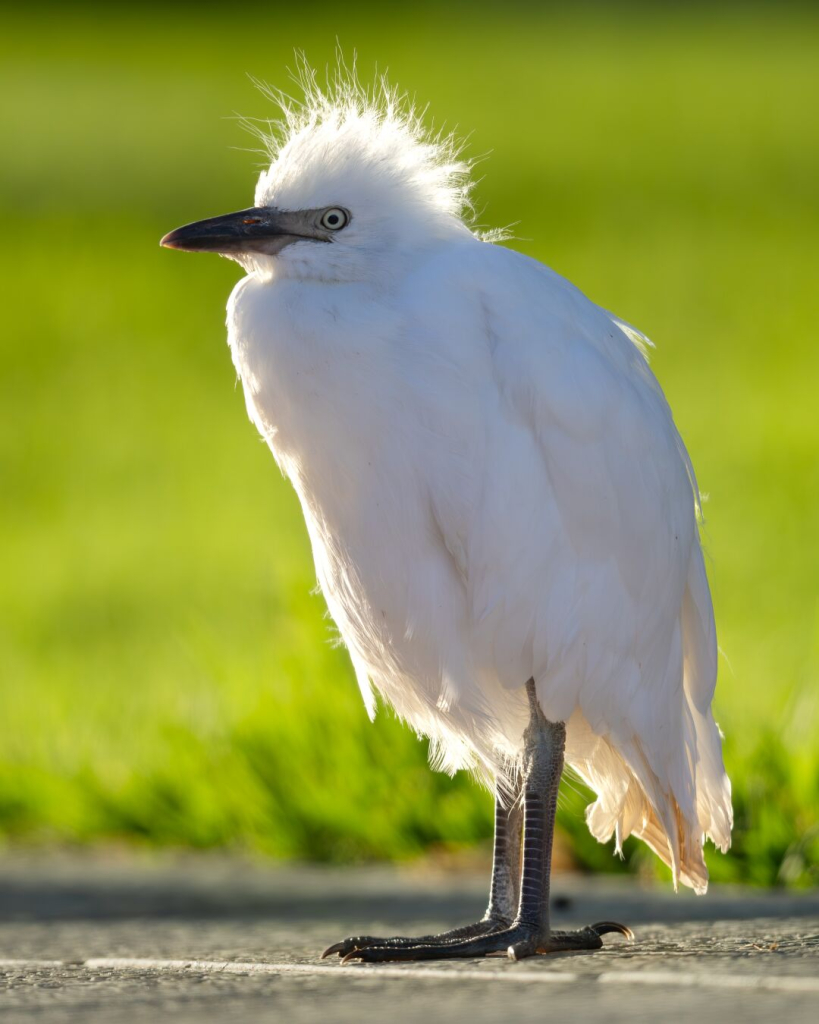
502	512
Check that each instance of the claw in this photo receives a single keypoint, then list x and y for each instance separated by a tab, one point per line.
336	947
604	927
349	944
354	955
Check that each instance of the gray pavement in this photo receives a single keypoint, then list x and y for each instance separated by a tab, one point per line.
208	939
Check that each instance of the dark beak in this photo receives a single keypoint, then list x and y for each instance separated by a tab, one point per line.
259	229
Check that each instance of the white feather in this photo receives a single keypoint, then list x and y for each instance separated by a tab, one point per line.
491	478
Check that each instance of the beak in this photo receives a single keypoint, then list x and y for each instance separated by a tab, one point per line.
259	229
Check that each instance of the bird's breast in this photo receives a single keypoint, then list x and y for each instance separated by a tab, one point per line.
359	420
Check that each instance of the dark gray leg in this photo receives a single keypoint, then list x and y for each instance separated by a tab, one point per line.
504	891
503	894
530	932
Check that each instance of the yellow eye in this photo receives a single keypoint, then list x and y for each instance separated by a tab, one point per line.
335	218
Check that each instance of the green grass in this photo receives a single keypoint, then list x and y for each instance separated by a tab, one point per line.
167	674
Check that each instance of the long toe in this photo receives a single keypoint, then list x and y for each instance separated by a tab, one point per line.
467	931
481	945
587	939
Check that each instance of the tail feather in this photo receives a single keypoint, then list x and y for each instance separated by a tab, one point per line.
676	799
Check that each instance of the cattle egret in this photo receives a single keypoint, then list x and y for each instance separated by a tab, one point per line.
502	513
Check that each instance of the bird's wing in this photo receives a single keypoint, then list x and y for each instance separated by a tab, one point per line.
580	551
579	543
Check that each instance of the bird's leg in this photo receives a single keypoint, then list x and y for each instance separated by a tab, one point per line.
530	932
504	890
503	893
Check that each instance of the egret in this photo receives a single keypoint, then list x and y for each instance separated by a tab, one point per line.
503	515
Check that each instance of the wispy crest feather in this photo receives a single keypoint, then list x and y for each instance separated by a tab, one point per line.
385	118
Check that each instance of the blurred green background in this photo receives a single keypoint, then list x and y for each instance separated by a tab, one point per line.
167	675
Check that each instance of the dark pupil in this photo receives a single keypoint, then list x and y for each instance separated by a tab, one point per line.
333	218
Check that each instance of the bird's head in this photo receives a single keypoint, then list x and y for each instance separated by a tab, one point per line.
356	186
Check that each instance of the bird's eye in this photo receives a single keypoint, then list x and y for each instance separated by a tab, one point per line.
335	219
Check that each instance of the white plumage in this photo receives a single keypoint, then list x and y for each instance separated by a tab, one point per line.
491	477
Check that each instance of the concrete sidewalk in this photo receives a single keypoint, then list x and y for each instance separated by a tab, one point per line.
204	939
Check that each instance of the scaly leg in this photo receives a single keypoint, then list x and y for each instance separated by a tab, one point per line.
503	894
530	931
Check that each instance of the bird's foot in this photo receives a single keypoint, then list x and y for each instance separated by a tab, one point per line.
468	931
516	941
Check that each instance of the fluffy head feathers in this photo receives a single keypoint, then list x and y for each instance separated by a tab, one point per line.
345	138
